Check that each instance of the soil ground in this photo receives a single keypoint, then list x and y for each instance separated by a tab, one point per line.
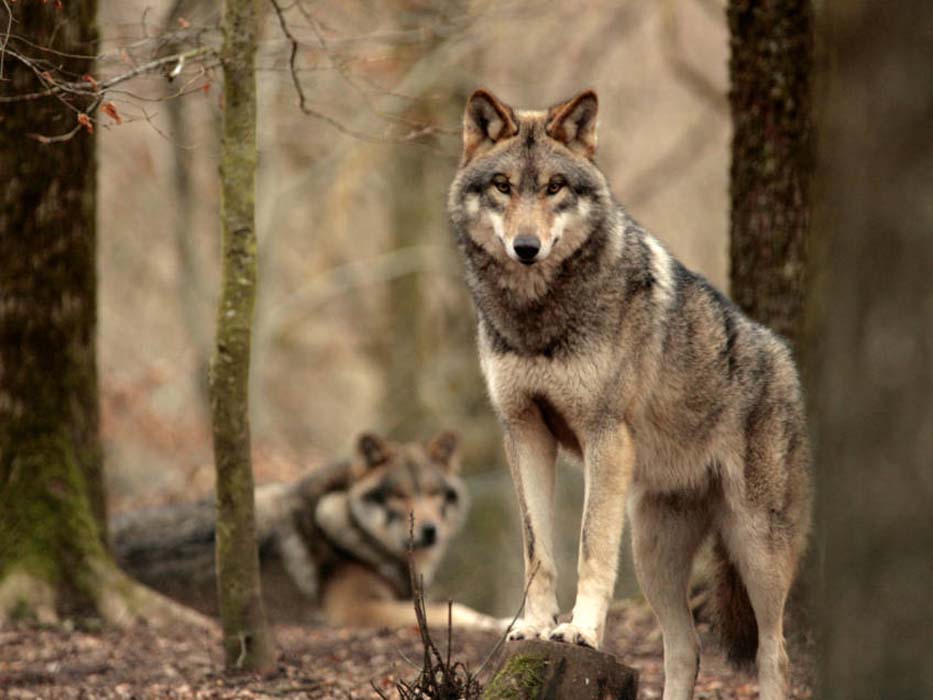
141	663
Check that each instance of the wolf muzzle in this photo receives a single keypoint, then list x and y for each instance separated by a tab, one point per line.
526	248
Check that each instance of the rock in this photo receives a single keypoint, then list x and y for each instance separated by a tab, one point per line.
535	670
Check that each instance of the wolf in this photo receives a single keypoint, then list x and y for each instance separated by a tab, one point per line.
593	339
336	542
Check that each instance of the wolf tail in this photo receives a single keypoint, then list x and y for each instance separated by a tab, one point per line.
735	617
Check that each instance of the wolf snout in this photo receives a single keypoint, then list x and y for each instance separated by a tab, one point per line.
526	248
428	535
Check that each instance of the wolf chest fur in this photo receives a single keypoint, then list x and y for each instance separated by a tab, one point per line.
594	338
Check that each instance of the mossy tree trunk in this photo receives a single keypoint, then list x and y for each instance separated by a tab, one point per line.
247	643
53	554
770	72
872	342
49	246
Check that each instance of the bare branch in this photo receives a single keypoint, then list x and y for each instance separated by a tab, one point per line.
68	135
83	88
6	35
418	130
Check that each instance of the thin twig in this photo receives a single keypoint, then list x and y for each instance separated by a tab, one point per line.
417	132
81	88
6	35
67	136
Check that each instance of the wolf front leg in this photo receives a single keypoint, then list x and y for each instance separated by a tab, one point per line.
609	459
532	453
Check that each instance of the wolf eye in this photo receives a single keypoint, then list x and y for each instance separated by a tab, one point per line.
450	496
501	183
556	184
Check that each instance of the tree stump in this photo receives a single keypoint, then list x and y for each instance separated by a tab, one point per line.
535	669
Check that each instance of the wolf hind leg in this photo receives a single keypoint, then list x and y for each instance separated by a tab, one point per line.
665	538
532	454
766	565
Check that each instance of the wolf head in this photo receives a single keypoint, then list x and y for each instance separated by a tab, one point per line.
527	193
393	480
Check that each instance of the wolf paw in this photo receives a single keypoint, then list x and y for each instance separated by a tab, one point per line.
571	634
523	629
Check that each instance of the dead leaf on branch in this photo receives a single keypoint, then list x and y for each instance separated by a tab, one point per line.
85	121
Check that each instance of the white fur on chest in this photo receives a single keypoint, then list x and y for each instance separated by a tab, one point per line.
573	386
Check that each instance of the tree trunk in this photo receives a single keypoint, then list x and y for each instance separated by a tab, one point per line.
405	347
190	289
872	340
247	643
53	555
770	69
49	246
52	506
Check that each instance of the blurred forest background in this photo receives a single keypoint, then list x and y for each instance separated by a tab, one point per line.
363	320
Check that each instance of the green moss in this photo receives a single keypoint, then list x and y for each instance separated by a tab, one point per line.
520	679
47	528
22	611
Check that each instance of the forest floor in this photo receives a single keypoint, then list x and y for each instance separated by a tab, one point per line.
141	663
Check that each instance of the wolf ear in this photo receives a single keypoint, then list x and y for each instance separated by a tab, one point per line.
486	120
444	448
373	449
573	123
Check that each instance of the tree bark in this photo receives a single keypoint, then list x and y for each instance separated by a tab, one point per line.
53	555
770	72
872	339
247	643
52	506
49	245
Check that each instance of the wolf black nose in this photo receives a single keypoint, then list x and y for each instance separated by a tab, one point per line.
526	248
428	535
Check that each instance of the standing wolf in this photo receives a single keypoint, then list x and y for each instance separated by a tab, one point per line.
593	338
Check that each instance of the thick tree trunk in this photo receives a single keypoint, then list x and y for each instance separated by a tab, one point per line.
49	314
53	556
247	644
872	340
770	71
52	505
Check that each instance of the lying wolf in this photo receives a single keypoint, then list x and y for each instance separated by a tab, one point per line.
593	338
336	542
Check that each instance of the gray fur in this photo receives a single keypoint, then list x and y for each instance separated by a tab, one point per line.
679	405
